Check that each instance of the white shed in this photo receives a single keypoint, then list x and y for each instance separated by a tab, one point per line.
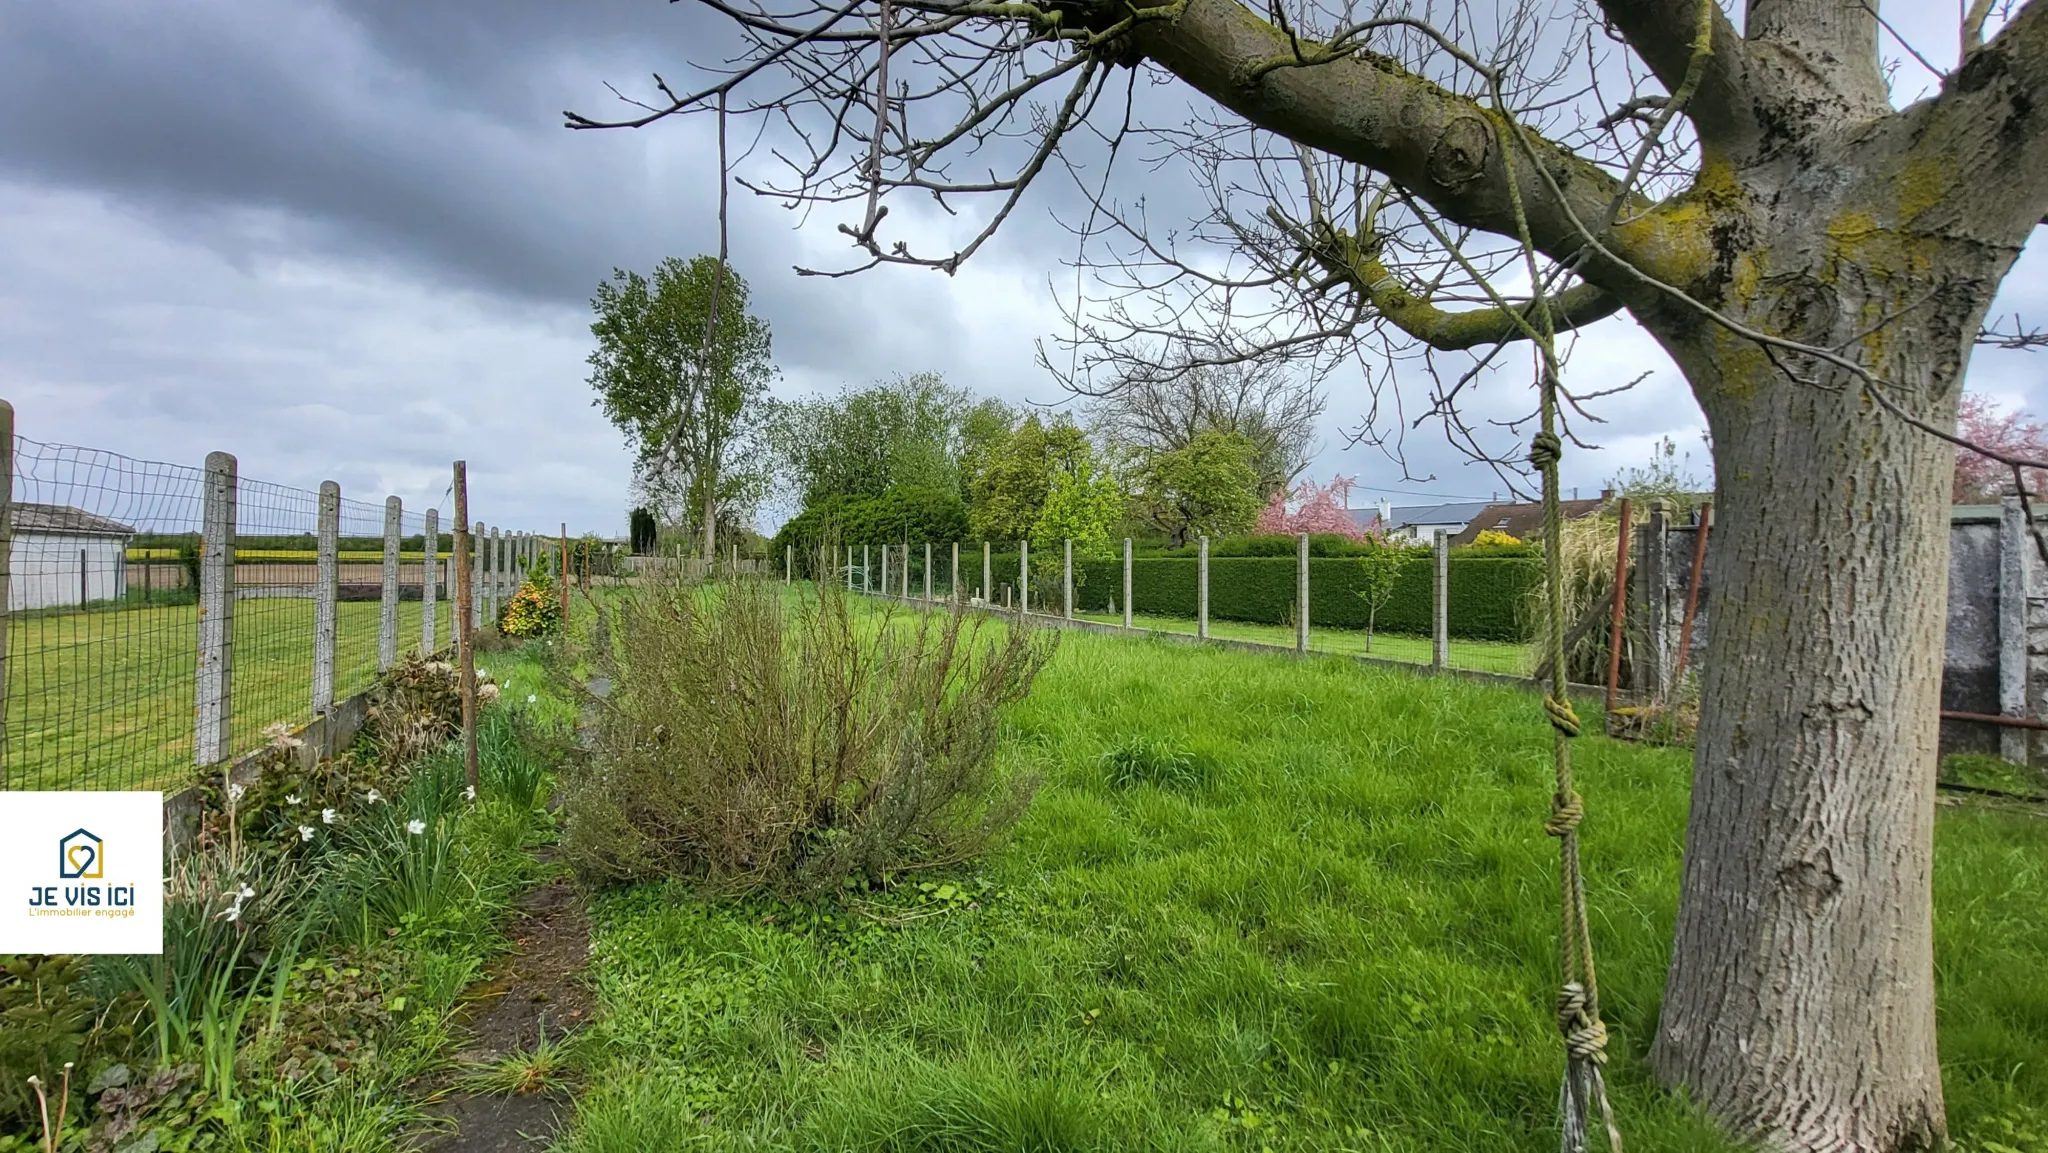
65	557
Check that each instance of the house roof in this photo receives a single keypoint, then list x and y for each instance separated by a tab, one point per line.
63	520
1524	521
1415	514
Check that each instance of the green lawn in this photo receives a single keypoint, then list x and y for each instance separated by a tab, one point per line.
1340	936
105	699
1484	656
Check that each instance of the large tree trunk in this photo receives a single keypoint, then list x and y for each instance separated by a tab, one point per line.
1800	1003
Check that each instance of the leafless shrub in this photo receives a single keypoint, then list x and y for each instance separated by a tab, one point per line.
755	740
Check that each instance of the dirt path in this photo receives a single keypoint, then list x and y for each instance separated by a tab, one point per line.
538	988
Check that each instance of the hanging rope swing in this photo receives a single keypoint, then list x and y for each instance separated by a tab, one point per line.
1578	997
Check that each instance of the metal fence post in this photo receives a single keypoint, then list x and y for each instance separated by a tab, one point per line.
953	589
1620	594
7	563
387	618
927	571
430	573
562	576
1440	597
215	681
1301	597
326	595
1202	591
1023	577
988	588
1127	582
1067	578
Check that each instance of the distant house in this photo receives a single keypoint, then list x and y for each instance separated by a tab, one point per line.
64	557
1418	523
1522	521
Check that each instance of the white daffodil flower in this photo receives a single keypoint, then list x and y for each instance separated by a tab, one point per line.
415	827
469	793
327	816
305	832
374	797
291	798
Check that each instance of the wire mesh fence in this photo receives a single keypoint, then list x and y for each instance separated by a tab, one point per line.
163	618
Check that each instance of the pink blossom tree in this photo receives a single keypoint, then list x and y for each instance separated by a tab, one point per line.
1981	480
1313	508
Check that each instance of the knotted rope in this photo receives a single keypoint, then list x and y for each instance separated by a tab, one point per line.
1578	1000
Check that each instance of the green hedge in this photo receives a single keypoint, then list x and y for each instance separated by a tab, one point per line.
1490	596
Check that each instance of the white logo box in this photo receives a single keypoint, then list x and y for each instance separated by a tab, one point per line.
81	872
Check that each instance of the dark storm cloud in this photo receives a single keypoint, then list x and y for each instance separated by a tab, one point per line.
358	225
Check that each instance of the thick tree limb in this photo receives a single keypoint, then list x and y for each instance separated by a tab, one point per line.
1440	146
1662	32
1986	130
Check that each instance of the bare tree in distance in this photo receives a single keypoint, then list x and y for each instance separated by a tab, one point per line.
1158	409
1818	264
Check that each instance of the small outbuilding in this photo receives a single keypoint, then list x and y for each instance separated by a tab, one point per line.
65	557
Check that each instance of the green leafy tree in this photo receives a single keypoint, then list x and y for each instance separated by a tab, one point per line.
1378	572
1207	487
680	367
902	433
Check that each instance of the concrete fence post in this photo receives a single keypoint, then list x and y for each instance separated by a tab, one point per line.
866	567
988	588
849	568
7	564
1654	574
465	621
886	550
1023	577
215	682
2014	548
387	619
1067	578
788	563
1440	604
430	592
1127	582
1202	590
326	595
479	557
927	571
953	589
903	582
1301	596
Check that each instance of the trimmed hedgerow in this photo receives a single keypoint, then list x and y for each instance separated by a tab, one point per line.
1489	595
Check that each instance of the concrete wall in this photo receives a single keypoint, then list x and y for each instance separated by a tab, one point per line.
1972	662
45	570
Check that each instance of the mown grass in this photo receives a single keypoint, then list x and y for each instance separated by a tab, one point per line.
1483	656
1259	903
105	699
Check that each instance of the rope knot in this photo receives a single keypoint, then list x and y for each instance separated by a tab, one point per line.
1562	718
1546	450
1566	811
1585	1036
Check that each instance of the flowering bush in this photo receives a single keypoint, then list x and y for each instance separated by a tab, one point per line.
1496	537
1312	508
535	610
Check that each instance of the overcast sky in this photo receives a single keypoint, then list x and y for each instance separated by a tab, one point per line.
350	239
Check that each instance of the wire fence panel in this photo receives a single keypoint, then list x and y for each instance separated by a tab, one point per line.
100	652
117	677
